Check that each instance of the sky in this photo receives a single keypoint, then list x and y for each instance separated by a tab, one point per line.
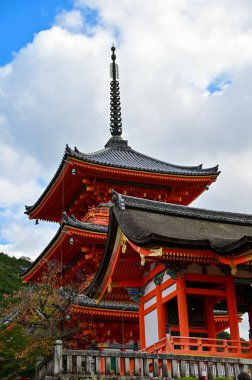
186	87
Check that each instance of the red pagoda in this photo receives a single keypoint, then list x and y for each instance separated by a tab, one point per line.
155	262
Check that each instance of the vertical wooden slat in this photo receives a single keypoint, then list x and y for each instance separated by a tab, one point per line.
236	370
164	368
201	369
118	365
88	365
136	367
227	370
127	367
145	367
78	364
97	365
182	368
210	375
69	363
107	365
174	368
155	368
191	368
219	370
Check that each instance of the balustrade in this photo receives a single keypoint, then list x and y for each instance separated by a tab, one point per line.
72	364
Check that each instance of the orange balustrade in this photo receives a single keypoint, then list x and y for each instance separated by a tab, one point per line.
202	346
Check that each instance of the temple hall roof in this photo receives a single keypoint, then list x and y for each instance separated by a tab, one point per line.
147	222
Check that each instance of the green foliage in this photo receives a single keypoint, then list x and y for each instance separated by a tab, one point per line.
187	378
10	268
222	378
223	335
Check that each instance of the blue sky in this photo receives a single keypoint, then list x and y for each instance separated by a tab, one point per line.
21	19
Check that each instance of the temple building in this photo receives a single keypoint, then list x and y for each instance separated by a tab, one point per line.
157	274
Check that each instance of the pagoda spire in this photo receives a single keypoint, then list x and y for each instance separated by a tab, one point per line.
115	103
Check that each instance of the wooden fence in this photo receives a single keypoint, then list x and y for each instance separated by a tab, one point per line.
80	364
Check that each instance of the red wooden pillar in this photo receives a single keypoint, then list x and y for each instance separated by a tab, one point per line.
160	313
141	324
182	306
250	321
210	318
232	309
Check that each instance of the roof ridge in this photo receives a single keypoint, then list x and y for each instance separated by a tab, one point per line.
126	201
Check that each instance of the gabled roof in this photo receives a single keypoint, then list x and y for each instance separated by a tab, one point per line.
146	222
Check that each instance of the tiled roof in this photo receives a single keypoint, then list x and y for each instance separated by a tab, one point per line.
120	155
73	222
147	222
129	202
84	300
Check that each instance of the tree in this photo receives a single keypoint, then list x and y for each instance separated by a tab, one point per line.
39	314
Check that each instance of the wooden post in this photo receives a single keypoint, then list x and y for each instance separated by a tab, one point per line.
160	313
57	357
232	309
37	369
182	306
250	321
141	323
210	318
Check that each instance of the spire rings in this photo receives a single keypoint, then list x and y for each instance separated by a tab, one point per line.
115	109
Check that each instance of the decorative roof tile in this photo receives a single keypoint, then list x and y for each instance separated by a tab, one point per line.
84	300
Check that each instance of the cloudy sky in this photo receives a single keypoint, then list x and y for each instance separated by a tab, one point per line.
186	87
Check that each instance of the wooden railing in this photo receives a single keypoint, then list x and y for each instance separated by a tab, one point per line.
202	346
72	364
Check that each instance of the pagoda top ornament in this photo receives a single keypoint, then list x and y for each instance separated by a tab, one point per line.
115	103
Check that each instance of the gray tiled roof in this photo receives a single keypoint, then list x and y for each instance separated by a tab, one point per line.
122	156
83	300
125	201
73	222
146	222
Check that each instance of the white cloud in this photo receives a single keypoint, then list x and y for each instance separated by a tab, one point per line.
56	91
71	21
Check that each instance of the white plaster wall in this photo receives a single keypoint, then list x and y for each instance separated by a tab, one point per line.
151	328
169	290
150	302
149	287
166	277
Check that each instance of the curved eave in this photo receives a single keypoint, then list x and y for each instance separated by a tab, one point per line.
105	312
72	159
101	272
37	265
139	162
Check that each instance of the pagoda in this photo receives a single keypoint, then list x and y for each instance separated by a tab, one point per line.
79	199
